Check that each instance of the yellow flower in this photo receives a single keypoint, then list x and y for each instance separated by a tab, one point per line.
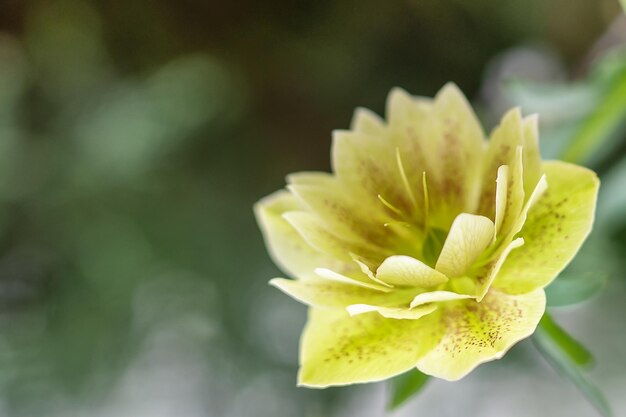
428	246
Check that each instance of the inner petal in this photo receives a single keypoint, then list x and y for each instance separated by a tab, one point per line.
408	271
469	236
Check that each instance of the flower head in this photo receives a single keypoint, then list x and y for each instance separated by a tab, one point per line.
428	246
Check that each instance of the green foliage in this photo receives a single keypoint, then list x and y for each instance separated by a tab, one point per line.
570	289
405	386
567	356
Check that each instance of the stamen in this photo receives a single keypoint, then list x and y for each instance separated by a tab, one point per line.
426	200
390	206
398	223
405	180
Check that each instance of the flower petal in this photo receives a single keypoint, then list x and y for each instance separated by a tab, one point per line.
366	121
405	270
352	278
392	312
502	182
455	183
556	226
318	236
444	139
434	296
532	157
287	248
481	332
490	271
469	236
503	144
367	165
345	215
515	194
337	349
319	292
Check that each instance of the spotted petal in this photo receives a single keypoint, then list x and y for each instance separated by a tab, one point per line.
481	332
337	349
555	228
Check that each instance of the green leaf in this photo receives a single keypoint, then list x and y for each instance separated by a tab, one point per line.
405	386
573	289
603	124
623	3
554	344
576	352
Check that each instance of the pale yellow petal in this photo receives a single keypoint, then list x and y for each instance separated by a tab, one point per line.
408	271
481	332
366	121
345	215
400	107
287	248
352	278
503	144
337	349
537	193
515	194
319	292
368	272
400	313
320	237
444	139
532	156
501	197
555	228
469	236
367	165
436	296
490	271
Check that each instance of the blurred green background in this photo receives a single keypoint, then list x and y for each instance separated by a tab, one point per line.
136	135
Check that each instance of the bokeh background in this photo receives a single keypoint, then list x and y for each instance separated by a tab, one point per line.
136	135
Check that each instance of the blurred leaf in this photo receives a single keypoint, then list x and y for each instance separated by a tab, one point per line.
571	347
573	289
604	123
623	3
405	386
556	103
554	344
582	121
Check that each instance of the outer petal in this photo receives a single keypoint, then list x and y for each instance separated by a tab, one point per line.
337	349
366	121
287	248
469	236
556	226
481	332
404	270
318	292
